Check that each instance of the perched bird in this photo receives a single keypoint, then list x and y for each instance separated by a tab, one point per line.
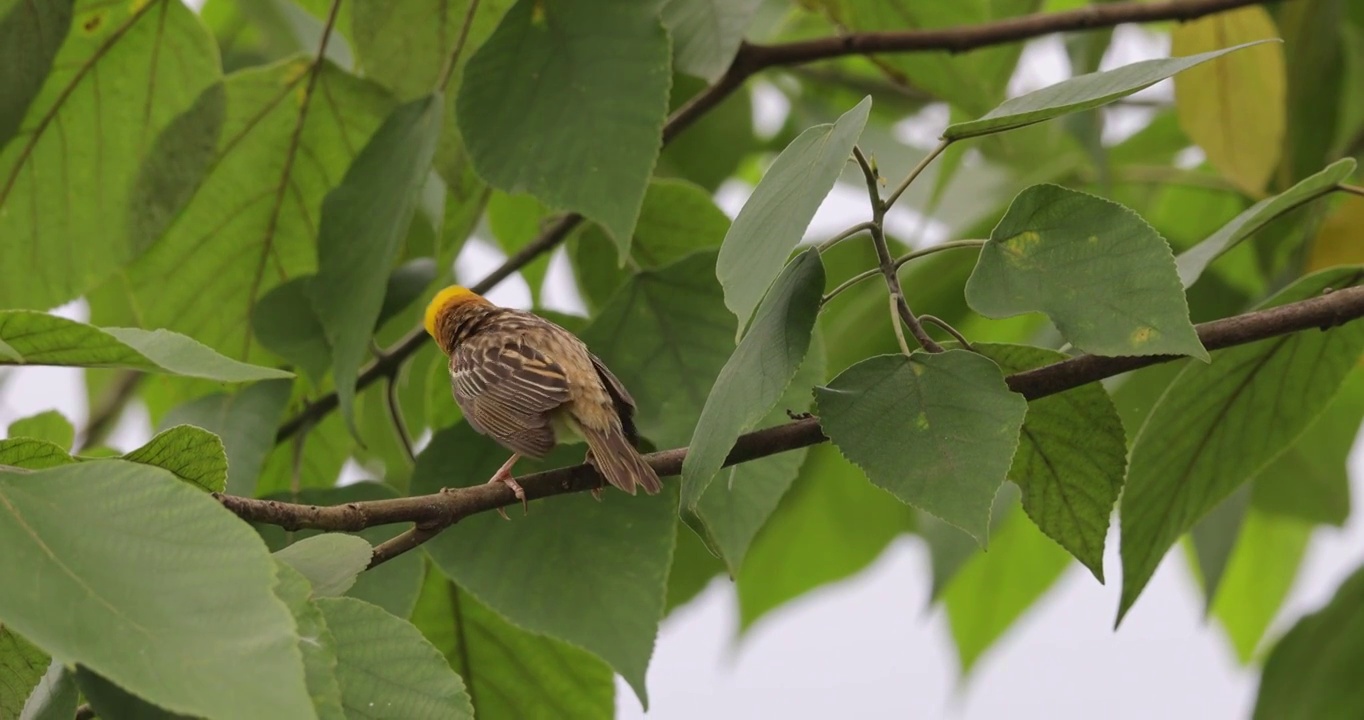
529	384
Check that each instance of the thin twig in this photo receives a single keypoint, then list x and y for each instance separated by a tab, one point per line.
1352	189
395	413
453	60
433	513
886	262
827	244
752	59
915	172
947	328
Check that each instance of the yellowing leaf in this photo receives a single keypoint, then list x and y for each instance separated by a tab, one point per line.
1340	241
1234	108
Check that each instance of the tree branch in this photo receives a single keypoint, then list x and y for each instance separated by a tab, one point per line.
433	513
752	59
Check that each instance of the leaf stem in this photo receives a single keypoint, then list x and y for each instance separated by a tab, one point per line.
947	328
922	252
1352	189
895	325
899	262
913	174
450	62
827	244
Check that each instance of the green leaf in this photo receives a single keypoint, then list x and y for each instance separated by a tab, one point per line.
364	219
831	525
245	421
590	573
510	673
123	73
394	585
1214	537
42	339
550	82
30	34
666	334
257	209
48	425
1105	277
1071	458
1188	456
330	562
284	322
949	548
776	215
55	696
950	412
315	642
756	375
731	513
1313	672
111	701
677	219
387	669
405	47
22	666
325	448
1257	580
994	589
706	33
1192	262
159	588
1311	480
1081	92
30	454
192	454
177	162
693	566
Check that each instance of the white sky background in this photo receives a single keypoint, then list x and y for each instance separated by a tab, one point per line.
870	647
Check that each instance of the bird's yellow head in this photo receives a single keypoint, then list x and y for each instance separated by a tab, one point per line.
446	301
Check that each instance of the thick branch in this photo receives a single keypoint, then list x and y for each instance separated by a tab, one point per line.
433	513
752	59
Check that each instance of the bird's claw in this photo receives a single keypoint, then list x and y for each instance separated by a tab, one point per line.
516	489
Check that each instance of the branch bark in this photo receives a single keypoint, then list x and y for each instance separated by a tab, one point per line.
752	59
433	513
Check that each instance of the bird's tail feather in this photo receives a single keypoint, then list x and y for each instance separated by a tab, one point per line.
619	462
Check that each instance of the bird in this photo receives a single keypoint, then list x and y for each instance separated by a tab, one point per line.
530	385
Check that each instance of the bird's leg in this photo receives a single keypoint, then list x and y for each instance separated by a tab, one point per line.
504	476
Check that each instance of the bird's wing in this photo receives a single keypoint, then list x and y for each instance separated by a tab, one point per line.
506	390
620	398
